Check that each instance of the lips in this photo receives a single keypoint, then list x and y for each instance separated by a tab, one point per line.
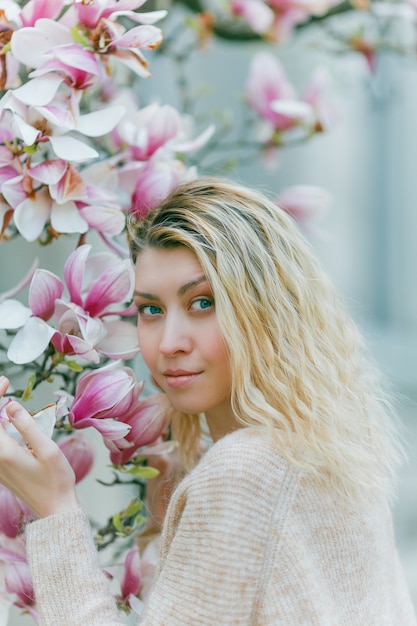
178	379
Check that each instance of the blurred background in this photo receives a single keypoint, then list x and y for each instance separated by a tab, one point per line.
366	236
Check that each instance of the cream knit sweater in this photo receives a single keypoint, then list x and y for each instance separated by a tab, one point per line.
248	540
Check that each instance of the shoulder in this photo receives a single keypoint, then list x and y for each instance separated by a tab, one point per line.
247	459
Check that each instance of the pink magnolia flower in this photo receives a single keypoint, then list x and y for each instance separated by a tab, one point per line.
98	21
274	99
13	513
267	84
147	419
79	453
131	582
155	182
18	580
290	13
256	13
130	575
102	398
149	128
305	203
88	323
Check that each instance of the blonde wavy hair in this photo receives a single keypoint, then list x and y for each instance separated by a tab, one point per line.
298	363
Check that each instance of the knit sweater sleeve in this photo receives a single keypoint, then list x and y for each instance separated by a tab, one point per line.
70	587
215	540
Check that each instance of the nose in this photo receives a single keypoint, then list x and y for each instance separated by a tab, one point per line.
176	336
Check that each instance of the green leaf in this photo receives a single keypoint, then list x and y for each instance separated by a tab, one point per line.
143	472
139	519
117	523
29	387
74	366
133	508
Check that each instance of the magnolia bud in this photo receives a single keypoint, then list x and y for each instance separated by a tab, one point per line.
79	453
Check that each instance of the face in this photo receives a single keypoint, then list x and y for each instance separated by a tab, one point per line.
178	333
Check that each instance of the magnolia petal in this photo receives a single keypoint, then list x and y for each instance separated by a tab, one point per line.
39	91
113	286
96	264
294	109
44	289
74	272
259	15
101	394
48	172
13	192
83	349
28	45
121	340
108	428
57	116
71	149
45	420
104	219
149	17
33	11
134	60
91	328
197	143
101	122
146	36
78	57
32	214
30	341
66	218
13	314
25	131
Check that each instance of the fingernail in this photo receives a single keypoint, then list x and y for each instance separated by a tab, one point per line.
13	409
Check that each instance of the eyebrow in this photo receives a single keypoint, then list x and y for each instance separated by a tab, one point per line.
181	291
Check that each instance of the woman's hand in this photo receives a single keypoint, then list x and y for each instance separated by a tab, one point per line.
38	474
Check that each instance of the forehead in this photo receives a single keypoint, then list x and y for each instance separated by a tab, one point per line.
167	266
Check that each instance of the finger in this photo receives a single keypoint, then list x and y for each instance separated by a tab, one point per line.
21	419
4	383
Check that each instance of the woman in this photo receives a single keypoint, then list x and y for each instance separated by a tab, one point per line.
285	520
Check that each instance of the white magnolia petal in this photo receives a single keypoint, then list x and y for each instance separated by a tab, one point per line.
30	341
66	218
71	149
25	131
294	109
194	144
120	341
13	314
57	116
39	91
45	420
99	123
31	215
12	191
104	219
149	17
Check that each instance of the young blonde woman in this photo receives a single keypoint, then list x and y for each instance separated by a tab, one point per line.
285	519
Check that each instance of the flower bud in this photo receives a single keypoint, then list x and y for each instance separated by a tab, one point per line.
79	453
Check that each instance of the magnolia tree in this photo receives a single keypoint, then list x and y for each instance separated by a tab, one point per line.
80	150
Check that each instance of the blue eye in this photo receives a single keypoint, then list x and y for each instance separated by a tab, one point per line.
201	304
149	310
